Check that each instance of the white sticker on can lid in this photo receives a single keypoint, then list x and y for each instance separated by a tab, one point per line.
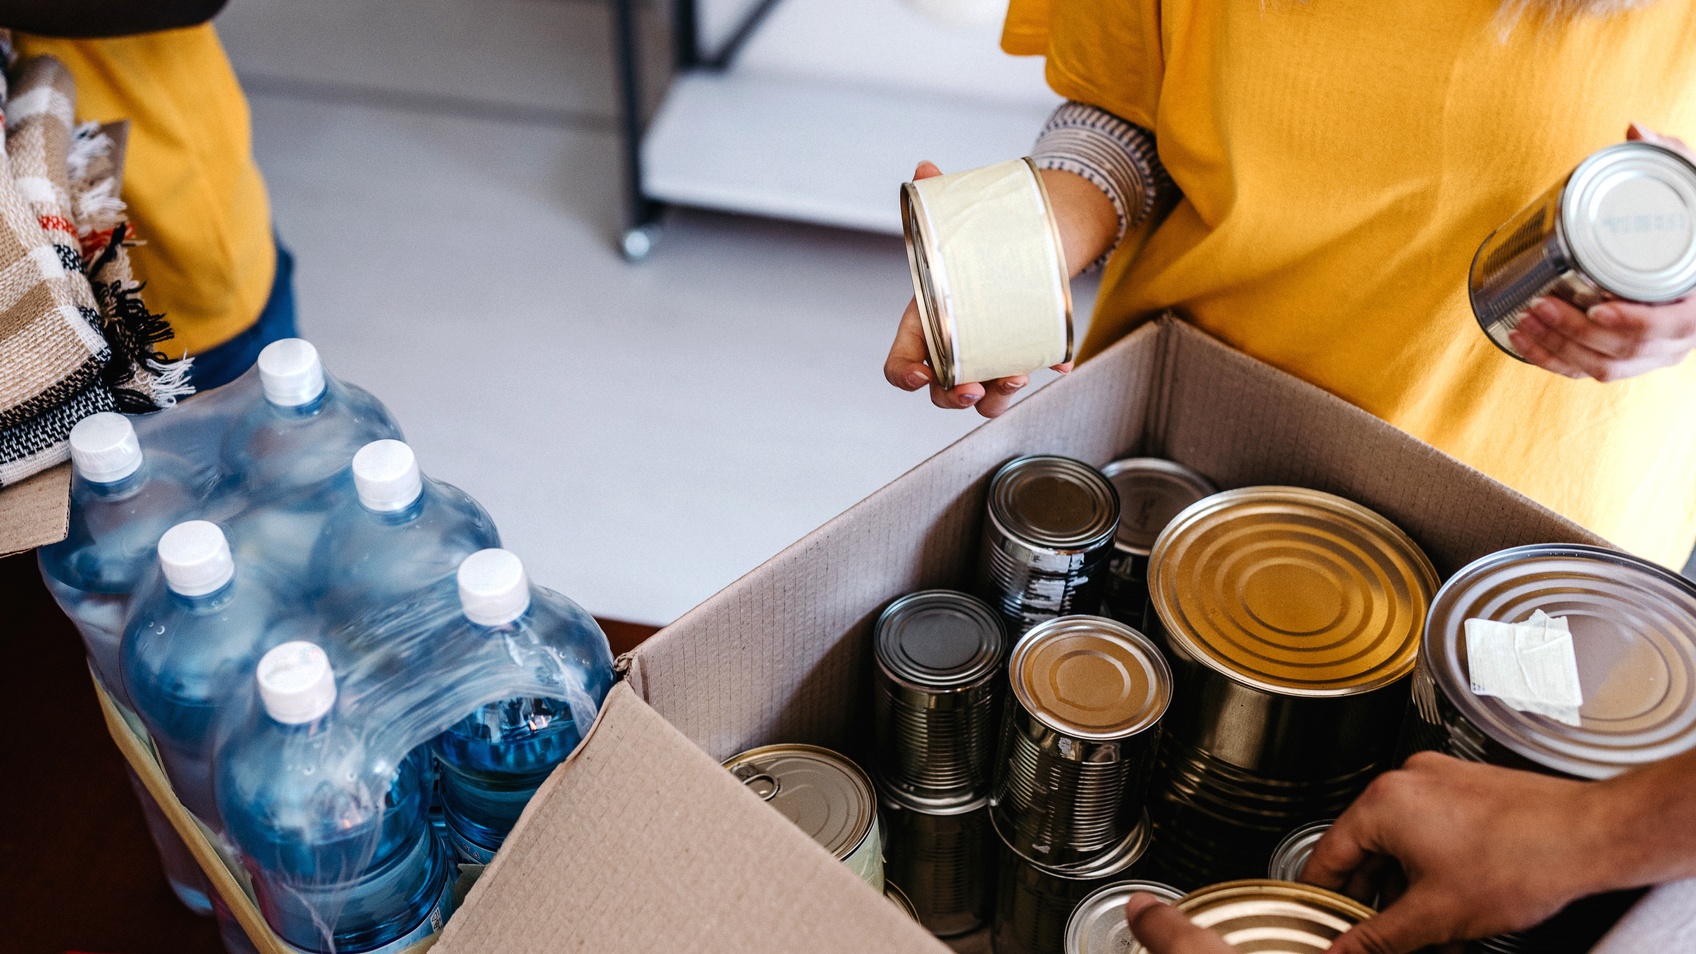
1530	666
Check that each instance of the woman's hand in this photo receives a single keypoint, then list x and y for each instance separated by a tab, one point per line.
1164	929
1615	339
1088	227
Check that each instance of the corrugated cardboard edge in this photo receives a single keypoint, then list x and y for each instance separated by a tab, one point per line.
35	511
644	843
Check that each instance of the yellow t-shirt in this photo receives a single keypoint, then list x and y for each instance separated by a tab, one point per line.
1341	161
194	193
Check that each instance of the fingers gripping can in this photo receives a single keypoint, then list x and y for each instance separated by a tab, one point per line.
1271	916
989	272
944	856
939	656
1079	738
1047	539
1034	902
1620	225
1290	857
1151	492
825	795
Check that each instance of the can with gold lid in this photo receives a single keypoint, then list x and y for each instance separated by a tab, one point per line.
1034	902
939	657
1097	924
944	854
1079	738
1046	540
1151	492
825	795
1272	917
1293	620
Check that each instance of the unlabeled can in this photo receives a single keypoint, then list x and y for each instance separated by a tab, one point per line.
1080	736
939	656
1097	924
944	856
825	795
1290	857
899	898
989	272
1034	902
1047	540
1151	492
1633	627
1292	618
1620	225
1272	917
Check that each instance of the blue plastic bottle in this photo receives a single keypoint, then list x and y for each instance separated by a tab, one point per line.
398	534
188	649
337	863
494	759
122	502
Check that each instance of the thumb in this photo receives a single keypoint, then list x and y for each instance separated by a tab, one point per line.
1163	929
1411	923
926	170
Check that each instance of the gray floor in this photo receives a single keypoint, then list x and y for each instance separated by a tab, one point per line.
446	173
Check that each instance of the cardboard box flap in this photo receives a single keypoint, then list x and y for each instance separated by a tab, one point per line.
1241	422
643	843
35	511
765	660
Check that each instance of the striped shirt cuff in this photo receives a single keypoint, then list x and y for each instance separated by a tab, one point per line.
1116	156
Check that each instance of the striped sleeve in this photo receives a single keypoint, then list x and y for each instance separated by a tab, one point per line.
1118	157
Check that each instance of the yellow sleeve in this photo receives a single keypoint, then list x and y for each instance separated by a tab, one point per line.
1106	53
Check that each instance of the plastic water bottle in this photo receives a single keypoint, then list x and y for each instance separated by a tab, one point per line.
400	533
188	649
494	759
122	501
369	875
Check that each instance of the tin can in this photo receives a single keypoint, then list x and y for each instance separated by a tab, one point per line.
1047	540
1293	619
1151	492
1633	627
944	853
825	795
1268	916
899	898
1290	857
1097	924
1034	902
1080	736
1620	225
939	655
989	272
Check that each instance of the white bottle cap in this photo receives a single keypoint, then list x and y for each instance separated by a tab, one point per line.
104	448
290	372
386	475
196	558
296	684
493	589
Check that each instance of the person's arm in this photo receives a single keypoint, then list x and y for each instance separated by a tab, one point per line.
78	19
1103	178
1483	850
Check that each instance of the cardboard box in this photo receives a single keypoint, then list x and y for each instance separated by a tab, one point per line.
641	842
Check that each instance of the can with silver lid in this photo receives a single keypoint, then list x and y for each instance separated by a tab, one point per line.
1620	225
939	656
1151	492
1097	924
944	855
1034	902
825	795
1079	738
1047	540
1272	917
1293	619
1633	626
989	272
1290	857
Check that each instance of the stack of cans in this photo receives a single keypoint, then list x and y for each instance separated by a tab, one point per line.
825	795
1047	540
1079	738
1633	628
1151	492
1293	620
939	657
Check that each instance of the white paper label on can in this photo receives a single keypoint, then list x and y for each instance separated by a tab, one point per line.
1529	666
